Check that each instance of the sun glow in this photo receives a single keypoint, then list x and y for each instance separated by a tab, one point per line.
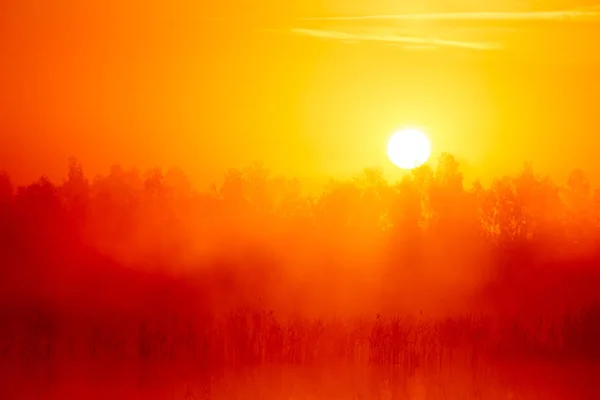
408	148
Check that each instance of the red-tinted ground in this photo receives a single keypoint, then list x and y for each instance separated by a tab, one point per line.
139	287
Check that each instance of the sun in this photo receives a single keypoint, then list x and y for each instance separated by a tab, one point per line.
408	148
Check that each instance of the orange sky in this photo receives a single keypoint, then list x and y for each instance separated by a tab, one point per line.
211	87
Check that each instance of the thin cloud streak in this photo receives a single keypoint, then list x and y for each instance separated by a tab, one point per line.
564	15
404	40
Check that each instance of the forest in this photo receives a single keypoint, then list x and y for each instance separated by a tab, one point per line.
135	284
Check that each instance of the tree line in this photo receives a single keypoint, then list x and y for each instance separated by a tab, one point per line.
428	230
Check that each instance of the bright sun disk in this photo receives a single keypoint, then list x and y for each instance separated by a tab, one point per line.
408	148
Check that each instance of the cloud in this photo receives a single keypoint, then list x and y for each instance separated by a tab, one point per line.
408	41
526	31
591	13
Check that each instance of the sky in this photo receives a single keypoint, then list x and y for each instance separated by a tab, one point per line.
312	89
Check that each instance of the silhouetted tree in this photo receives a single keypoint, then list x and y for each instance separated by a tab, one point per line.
76	191
7	223
578	210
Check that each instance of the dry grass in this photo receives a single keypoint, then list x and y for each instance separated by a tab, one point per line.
256	355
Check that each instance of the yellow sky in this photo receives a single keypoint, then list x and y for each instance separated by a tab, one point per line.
212	87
